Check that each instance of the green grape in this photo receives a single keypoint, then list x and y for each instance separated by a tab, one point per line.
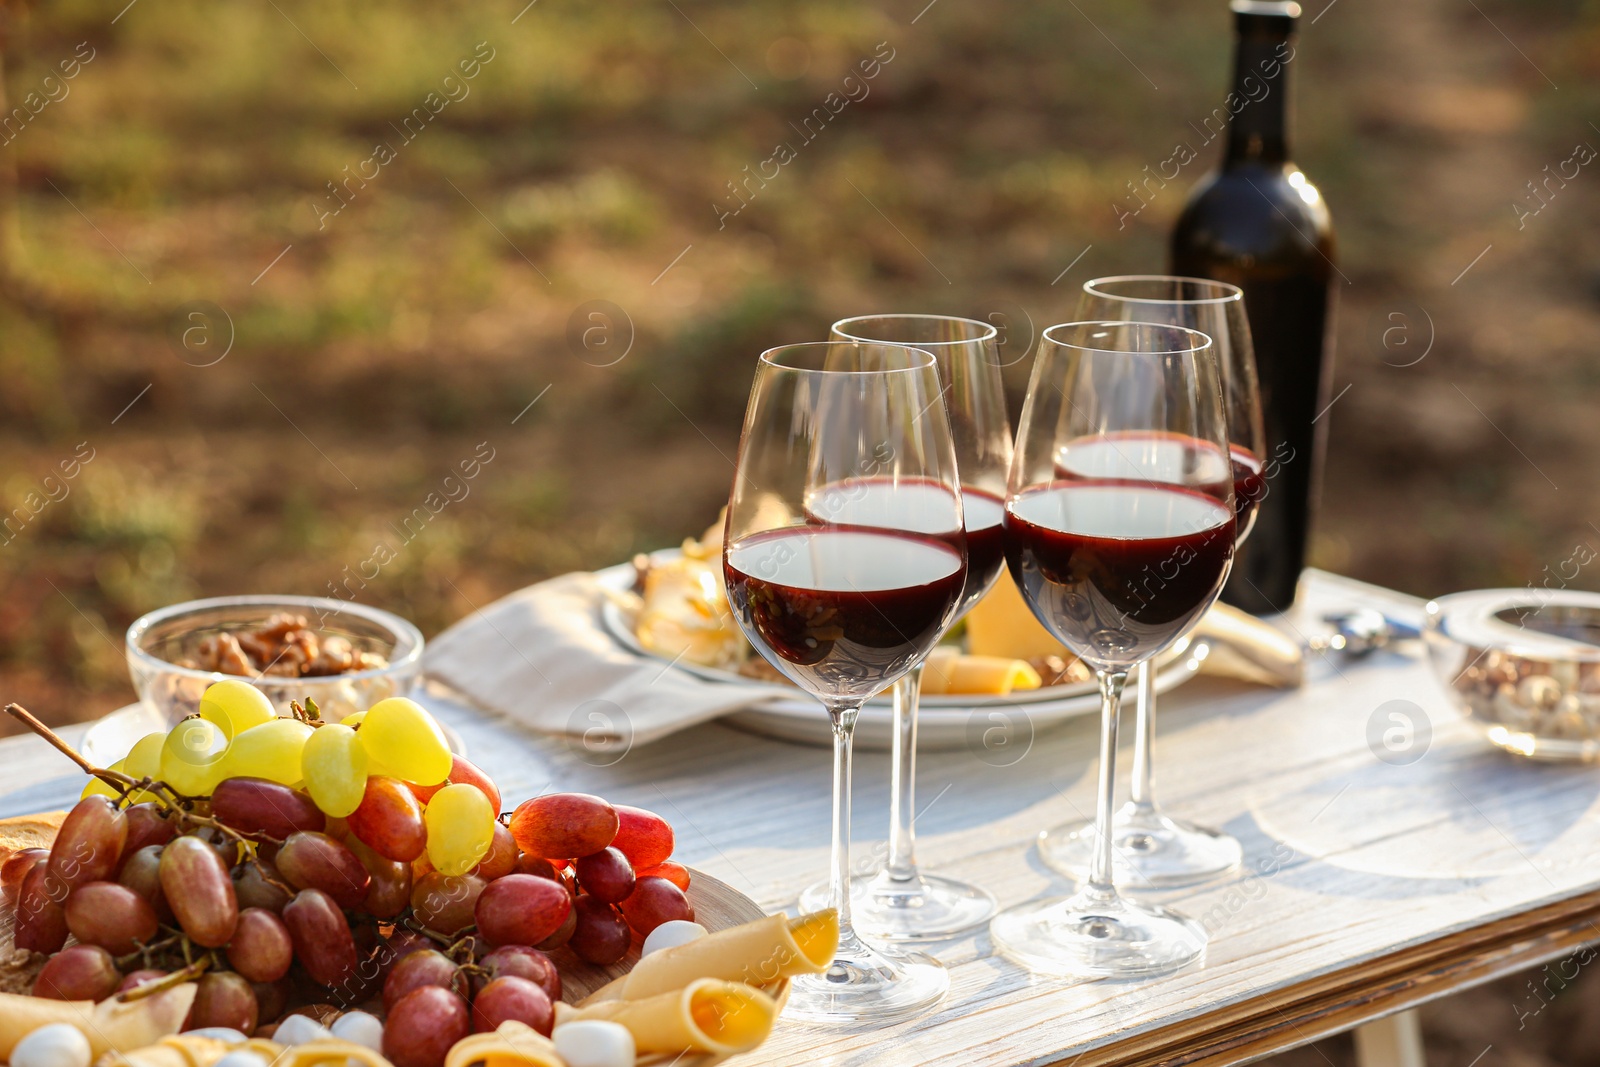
354	719
271	751
235	706
403	741
192	757
460	823
98	788
335	765
144	758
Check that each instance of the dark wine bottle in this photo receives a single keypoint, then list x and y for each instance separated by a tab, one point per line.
1259	224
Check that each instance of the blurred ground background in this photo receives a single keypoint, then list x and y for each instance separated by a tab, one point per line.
269	389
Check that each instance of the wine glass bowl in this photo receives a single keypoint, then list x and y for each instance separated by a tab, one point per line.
1120	532
837	434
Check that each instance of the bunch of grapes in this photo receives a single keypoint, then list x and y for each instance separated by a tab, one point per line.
287	863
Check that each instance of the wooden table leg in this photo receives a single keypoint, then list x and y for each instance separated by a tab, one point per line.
1395	1041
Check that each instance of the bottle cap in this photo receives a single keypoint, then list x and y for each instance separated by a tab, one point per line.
1267	17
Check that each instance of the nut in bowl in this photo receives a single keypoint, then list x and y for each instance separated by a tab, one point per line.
1524	666
342	655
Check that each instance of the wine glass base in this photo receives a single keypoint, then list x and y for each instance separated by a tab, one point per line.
1149	850
868	986
928	907
1097	934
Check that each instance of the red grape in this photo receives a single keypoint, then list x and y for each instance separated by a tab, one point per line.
41	916
423	968
317	861
601	935
390	891
423	1026
138	978
520	961
445	903
676	873
403	943
111	916
147	825
199	890
607	875
561	936
321	937
643	836
271	999
512	998
462	772
89	843
389	820
261	948
223	999
538	867
520	909
82	972
16	868
141	872
255	890
260	807
502	857
653	902
564	825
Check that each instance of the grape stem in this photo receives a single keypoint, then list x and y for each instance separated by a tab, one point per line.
176	978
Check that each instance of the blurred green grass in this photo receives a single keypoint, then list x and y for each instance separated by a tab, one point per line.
585	162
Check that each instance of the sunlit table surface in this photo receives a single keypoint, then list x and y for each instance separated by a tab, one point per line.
1385	864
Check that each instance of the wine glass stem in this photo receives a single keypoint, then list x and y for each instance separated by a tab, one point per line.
1144	736
1111	683
844	728
902	865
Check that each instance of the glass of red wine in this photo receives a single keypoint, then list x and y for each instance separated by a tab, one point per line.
840	606
1119	531
900	902
1152	848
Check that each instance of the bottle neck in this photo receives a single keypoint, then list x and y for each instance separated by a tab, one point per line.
1258	130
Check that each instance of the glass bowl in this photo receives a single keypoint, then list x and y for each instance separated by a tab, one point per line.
156	640
1524	666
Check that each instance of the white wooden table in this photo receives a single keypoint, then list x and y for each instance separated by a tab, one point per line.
1369	886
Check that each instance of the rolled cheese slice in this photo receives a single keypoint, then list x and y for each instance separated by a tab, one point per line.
722	1018
513	1044
948	671
188	1050
756	953
111	1025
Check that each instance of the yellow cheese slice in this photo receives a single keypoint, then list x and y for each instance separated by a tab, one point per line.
1001	625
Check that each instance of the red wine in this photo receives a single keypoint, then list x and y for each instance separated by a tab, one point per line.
1248	489
1118	571
1173	459
1259	224
924	507
843	610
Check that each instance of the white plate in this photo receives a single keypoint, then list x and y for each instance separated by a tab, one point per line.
943	721
109	738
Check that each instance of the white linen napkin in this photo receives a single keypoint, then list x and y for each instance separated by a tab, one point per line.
542	657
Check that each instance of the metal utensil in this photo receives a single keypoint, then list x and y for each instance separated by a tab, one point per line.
1362	631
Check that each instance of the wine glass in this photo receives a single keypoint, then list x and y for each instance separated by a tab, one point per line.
1152	848
1118	566
844	609
900	902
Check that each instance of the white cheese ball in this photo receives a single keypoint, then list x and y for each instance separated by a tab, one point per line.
594	1043
299	1029
359	1028
55	1045
243	1058
219	1033
671	935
